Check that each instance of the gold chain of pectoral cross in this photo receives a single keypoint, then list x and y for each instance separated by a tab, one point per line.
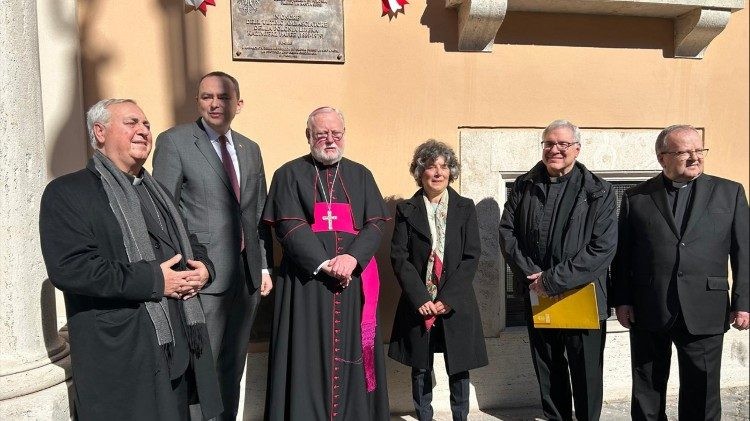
329	217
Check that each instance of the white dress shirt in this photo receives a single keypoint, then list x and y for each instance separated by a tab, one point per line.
214	138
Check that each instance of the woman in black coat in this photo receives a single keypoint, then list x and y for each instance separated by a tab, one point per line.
435	252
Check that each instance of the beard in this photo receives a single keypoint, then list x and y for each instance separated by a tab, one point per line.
324	158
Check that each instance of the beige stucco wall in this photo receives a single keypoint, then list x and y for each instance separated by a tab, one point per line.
399	85
403	82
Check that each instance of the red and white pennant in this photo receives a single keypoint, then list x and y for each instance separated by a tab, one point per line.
391	7
201	5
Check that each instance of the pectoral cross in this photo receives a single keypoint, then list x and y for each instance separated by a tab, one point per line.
330	217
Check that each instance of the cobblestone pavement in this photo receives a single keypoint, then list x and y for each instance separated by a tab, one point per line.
734	405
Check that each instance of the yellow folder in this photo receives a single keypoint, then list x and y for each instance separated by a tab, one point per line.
574	309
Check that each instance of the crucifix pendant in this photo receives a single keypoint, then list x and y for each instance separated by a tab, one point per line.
329	217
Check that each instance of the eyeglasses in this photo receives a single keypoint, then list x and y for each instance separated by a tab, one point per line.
684	155
561	146
324	135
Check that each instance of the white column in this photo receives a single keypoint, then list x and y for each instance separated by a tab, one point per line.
34	362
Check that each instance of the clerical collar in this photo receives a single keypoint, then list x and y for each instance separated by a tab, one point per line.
675	185
133	179
562	178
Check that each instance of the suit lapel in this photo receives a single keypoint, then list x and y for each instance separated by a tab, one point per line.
659	196
206	148
243	160
455	214
452	229
704	186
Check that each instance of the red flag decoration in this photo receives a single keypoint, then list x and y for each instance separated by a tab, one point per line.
201	5
391	7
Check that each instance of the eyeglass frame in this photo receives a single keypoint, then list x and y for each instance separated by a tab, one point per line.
558	144
336	136
684	155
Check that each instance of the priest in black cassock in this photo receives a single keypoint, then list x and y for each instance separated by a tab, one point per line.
326	356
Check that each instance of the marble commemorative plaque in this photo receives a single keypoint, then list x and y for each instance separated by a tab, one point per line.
288	30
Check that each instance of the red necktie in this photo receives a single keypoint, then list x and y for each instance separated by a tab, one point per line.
226	161
437	269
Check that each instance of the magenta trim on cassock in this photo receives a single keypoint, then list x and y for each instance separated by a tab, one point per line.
370	283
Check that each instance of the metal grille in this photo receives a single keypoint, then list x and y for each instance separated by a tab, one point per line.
514	312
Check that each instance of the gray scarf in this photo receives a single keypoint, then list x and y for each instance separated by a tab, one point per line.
127	209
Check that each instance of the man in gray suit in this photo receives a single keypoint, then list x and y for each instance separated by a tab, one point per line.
216	175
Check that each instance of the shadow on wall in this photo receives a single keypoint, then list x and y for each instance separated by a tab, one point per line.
568	30
487	287
184	44
69	149
183	37
390	291
93	58
443	24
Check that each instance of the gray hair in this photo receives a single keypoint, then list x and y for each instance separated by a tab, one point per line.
98	113
661	139
562	123
427	153
321	110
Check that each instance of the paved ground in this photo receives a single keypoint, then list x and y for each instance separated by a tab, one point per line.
734	408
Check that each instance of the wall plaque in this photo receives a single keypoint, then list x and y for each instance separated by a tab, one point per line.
288	30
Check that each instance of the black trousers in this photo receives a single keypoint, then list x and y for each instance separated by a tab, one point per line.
699	361
421	383
566	359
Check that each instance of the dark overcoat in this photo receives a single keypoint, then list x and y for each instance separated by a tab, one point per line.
119	371
410	249
660	271
589	238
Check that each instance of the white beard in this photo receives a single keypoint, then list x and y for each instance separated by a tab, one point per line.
320	156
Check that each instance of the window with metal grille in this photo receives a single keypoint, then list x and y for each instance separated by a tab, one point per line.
514	313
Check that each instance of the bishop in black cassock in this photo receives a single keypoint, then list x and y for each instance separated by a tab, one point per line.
326	355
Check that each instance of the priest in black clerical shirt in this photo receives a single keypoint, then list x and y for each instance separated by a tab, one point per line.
326	356
558	233
115	244
671	287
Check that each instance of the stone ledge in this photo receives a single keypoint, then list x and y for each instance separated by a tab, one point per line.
696	22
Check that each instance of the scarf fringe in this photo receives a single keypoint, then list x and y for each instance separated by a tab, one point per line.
197	335
168	351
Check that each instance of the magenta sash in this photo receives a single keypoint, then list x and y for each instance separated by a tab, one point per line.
340	219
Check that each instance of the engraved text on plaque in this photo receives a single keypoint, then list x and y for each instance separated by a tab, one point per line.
288	30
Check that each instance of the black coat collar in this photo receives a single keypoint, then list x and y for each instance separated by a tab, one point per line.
592	184
416	215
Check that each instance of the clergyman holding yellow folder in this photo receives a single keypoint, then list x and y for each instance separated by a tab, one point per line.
558	233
